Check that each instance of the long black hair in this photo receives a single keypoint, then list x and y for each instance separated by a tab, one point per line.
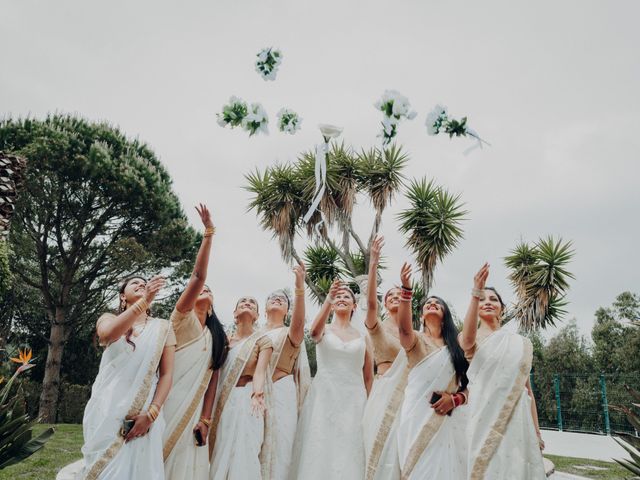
220	342
450	337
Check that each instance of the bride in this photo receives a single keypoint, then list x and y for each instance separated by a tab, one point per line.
329	443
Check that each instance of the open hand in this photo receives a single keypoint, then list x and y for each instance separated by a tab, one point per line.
152	287
376	248
300	273
480	278
405	275
205	215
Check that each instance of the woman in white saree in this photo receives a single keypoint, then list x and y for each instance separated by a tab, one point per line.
503	433
329	442
201	349
240	438
289	368
431	429
380	413
128	386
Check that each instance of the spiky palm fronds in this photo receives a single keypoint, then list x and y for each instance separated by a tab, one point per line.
381	174
432	225
341	183
540	280
278	202
323	267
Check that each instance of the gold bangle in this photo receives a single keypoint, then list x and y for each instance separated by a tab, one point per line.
206	421
299	292
141	305
209	231
151	415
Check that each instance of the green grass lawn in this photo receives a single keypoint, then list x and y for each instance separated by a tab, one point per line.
572	465
64	448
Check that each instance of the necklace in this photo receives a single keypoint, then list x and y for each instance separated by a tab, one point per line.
137	325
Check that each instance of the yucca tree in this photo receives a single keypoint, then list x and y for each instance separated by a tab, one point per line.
432	225
540	279
282	194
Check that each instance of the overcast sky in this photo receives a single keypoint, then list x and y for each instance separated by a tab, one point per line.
553	86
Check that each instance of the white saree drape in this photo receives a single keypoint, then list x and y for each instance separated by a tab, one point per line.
239	442
431	445
288	395
191	373
502	437
125	385
380	421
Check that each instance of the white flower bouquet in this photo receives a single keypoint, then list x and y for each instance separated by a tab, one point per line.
394	107
439	121
233	113
288	121
256	120
268	61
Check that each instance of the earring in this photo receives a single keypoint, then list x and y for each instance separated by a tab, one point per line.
210	311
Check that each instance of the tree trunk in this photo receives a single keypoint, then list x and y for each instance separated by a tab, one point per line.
51	383
425	284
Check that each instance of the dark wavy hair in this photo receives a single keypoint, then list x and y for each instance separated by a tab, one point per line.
220	347
122	308
450	337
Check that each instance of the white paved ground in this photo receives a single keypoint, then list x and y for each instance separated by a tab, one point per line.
582	445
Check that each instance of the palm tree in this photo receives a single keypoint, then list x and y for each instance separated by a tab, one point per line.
541	280
282	194
432	225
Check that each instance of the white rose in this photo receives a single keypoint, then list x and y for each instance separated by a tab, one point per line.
329	131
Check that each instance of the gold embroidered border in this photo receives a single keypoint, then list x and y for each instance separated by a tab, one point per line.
426	434
229	383
390	413
137	404
492	442
191	342
188	415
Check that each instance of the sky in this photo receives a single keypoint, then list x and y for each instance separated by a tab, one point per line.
553	86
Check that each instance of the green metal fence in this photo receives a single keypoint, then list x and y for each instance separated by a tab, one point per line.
583	403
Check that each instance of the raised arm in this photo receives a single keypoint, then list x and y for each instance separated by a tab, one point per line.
372	288
317	327
470	327
111	327
199	275
296	329
405	324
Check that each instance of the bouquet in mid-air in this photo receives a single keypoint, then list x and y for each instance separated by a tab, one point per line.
394	107
268	61
288	121
439	121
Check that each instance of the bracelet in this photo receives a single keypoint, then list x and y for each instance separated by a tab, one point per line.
209	231
453	400
408	300
406	289
205	421
464	396
477	293
299	292
141	305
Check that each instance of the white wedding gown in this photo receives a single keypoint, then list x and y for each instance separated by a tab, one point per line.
329	442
